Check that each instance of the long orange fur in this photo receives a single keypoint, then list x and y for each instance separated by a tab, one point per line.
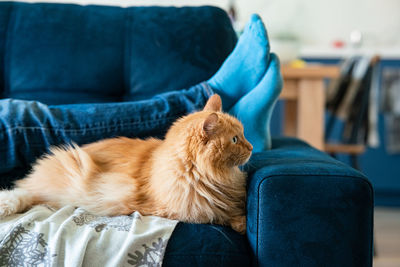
192	175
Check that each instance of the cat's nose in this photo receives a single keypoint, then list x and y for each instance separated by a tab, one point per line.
249	146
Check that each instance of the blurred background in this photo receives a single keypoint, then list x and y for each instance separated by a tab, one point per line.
311	23
353	48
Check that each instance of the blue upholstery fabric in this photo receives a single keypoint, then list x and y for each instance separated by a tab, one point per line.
62	54
304	208
4	18
206	245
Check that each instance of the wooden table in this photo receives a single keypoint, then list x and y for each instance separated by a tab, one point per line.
304	92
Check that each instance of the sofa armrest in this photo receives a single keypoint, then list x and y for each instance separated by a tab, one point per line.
305	208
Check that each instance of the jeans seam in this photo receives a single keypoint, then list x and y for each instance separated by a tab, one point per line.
86	127
208	89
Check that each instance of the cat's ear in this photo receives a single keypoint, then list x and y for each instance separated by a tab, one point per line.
213	104
210	124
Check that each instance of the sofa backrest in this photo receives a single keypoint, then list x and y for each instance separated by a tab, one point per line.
64	53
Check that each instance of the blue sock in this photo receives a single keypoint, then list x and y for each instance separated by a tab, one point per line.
245	66
254	109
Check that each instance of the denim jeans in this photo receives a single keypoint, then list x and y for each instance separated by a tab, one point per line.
29	128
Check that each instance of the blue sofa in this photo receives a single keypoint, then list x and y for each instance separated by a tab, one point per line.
303	208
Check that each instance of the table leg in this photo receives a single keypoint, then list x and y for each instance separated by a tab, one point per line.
310	115
290	126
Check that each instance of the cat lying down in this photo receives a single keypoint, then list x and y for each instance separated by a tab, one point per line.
191	176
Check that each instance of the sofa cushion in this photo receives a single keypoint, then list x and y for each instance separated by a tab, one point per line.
63	53
174	48
206	245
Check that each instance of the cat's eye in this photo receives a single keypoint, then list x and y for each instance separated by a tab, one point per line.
234	139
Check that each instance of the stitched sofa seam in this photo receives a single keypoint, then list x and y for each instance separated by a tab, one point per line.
128	17
7	52
209	254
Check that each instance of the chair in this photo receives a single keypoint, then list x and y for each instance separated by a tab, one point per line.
304	208
348	99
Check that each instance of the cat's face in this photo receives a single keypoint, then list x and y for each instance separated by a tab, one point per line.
210	137
224	141
227	144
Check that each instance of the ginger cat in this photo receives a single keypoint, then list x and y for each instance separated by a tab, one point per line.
191	176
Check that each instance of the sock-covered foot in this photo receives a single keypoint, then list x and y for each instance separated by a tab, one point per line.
245	66
254	109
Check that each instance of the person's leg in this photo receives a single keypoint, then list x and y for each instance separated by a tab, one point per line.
29	128
245	66
254	110
249	83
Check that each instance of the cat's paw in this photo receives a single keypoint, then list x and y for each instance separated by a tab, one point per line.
239	224
7	207
8	204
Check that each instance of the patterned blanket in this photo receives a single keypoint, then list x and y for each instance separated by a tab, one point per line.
74	237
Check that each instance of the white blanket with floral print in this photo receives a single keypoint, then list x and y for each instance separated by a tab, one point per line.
74	237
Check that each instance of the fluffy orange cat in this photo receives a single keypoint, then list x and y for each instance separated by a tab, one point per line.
191	176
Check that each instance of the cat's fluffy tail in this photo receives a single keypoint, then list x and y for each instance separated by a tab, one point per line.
75	162
56	180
